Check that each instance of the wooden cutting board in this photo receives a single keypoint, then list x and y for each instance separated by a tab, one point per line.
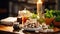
6	28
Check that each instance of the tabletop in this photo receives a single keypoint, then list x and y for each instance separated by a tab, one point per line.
10	29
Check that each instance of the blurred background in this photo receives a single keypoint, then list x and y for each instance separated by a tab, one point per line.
11	7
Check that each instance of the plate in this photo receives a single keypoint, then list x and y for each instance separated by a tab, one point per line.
32	29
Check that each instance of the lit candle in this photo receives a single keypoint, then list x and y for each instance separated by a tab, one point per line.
39	7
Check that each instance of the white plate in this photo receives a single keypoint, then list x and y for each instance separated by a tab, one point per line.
32	29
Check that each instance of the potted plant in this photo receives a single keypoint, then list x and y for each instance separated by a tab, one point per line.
49	16
57	18
57	21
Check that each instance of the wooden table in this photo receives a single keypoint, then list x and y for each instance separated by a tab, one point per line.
9	30
6	29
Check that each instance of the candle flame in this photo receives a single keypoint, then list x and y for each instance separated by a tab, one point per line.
39	1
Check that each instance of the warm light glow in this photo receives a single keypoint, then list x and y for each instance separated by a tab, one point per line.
39	7
39	1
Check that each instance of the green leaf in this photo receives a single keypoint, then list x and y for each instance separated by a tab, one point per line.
49	13
57	19
34	16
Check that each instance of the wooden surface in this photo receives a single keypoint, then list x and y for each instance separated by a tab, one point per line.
8	29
